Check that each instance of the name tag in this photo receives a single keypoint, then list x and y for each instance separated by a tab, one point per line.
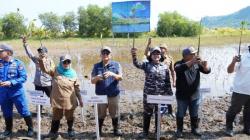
38	98
160	99
100	99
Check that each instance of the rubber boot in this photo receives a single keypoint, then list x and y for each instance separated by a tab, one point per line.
71	132
29	123
195	126
146	124
8	129
229	126
117	131
246	122
179	123
100	126
54	129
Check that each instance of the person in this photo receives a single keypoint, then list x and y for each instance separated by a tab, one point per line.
187	88
12	77
241	93
65	93
157	82
167	59
42	81
106	75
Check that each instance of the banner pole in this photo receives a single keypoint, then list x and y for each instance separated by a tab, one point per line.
159	122
39	122
97	123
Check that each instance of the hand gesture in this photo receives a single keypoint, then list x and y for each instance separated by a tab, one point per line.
108	74
5	84
133	51
149	41
24	39
236	58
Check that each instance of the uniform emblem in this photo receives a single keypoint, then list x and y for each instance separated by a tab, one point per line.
20	67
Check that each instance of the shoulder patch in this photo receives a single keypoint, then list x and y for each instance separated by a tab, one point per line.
20	67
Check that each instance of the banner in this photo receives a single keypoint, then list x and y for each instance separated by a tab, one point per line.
131	16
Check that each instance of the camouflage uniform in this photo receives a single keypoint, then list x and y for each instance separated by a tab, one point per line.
157	82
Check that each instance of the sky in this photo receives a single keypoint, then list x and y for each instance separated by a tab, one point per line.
192	9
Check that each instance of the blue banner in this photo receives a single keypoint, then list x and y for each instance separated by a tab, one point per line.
131	16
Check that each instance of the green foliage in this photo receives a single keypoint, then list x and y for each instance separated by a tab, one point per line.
69	21
94	21
173	24
13	25
52	23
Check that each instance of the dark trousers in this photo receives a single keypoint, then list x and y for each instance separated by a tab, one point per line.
237	102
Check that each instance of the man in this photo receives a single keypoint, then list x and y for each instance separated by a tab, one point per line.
106	76
12	77
187	88
241	93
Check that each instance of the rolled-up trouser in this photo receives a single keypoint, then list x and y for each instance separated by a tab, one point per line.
112	106
59	113
182	106
20	103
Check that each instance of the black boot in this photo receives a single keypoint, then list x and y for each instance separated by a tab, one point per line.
195	126
117	131
8	129
29	123
179	123
71	132
100	126
229	126
146	124
246	121
54	129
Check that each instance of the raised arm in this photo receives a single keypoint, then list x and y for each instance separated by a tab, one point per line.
28	51
49	69
147	49
231	66
136	63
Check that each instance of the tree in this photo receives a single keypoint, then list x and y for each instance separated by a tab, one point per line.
51	22
94	21
69	23
13	25
173	24
83	20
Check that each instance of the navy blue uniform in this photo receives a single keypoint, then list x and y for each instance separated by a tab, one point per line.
14	72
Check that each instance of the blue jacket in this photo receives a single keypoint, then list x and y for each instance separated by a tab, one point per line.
13	71
109	86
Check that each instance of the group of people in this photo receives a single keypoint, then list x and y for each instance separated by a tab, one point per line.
61	84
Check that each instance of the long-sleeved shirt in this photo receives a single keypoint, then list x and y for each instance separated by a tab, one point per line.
13	71
186	87
41	78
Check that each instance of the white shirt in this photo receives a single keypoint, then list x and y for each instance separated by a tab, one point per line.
241	82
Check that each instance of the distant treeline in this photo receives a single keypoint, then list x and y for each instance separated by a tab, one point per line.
88	22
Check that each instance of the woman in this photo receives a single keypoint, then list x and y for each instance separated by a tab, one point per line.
157	82
64	95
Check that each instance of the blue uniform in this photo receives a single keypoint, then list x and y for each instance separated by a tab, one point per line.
14	72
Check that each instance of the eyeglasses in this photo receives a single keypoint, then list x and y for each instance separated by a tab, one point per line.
66	62
105	52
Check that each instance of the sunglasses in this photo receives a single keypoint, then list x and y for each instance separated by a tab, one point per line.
105	52
66	62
